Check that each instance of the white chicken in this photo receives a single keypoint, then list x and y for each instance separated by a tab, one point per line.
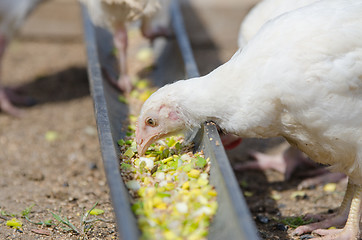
299	78
12	15
287	159
114	15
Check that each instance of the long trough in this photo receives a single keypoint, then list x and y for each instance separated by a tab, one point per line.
174	61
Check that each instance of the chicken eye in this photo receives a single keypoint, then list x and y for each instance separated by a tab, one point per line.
150	122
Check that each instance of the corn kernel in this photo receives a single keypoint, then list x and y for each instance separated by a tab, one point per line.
194	173
186	185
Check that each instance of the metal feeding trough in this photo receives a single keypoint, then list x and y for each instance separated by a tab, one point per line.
232	220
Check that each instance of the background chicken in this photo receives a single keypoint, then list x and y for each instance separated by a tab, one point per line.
299	78
286	159
12	15
114	16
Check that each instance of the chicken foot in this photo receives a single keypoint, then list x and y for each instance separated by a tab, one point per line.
351	229
286	161
351	204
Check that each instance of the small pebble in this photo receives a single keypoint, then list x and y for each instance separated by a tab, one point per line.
302	197
93	166
281	227
273	211
282	205
306	236
260	209
262	219
312	187
262	234
41	231
90	130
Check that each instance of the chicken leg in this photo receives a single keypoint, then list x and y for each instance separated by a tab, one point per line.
120	39
351	229
10	96
285	161
5	101
152	33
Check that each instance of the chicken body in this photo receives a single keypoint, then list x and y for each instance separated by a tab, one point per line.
287	160
300	78
12	15
114	15
263	12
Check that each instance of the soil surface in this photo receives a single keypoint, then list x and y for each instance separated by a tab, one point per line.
50	158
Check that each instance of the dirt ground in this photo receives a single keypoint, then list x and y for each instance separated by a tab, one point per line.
51	156
64	171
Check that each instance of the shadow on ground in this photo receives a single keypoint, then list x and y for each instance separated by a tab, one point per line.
66	85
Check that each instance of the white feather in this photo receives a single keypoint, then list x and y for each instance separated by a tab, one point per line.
110	13
263	12
13	14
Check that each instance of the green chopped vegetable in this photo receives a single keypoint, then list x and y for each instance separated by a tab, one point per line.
243	184
131	127
188	167
129	134
122	99
129	153
178	146
126	166
96	211
14	223
171	142
121	142
142	84
51	136
201	162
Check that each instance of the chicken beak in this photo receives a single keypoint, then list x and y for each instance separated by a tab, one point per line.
141	148
144	138
142	142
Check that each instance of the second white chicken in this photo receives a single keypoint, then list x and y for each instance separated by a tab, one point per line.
114	16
